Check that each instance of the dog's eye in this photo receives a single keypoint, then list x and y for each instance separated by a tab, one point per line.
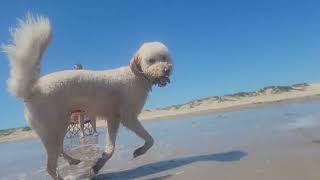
152	60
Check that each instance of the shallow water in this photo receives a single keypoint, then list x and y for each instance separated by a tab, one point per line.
226	137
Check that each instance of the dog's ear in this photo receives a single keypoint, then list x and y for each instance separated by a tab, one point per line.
135	64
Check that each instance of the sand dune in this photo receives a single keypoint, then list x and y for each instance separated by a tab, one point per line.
265	95
242	99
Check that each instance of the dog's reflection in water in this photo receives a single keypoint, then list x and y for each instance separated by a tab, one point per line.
86	149
82	147
89	140
76	142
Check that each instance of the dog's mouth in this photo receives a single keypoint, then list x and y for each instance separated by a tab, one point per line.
162	81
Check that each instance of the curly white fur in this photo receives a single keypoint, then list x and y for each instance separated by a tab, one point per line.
30	40
117	95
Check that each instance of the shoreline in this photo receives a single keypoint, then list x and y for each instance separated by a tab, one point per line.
266	96
234	108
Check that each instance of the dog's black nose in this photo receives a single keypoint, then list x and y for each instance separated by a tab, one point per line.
167	71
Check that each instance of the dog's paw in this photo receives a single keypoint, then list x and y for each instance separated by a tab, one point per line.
138	152
96	167
99	163
92	172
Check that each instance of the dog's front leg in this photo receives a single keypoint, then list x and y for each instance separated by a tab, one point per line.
113	126
135	126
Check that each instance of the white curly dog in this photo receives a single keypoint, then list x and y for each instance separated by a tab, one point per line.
117	95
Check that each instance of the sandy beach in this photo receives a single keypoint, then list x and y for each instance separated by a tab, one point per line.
277	141
272	94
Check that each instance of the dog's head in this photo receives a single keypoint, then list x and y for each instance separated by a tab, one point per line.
153	62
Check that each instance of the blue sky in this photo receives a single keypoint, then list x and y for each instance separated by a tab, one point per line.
218	47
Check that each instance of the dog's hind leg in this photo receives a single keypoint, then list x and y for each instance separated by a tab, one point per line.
51	127
52	139
52	145
135	126
52	162
112	126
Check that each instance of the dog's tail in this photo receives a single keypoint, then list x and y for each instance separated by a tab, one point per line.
29	41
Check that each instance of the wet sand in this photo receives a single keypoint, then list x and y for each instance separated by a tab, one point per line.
279	141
